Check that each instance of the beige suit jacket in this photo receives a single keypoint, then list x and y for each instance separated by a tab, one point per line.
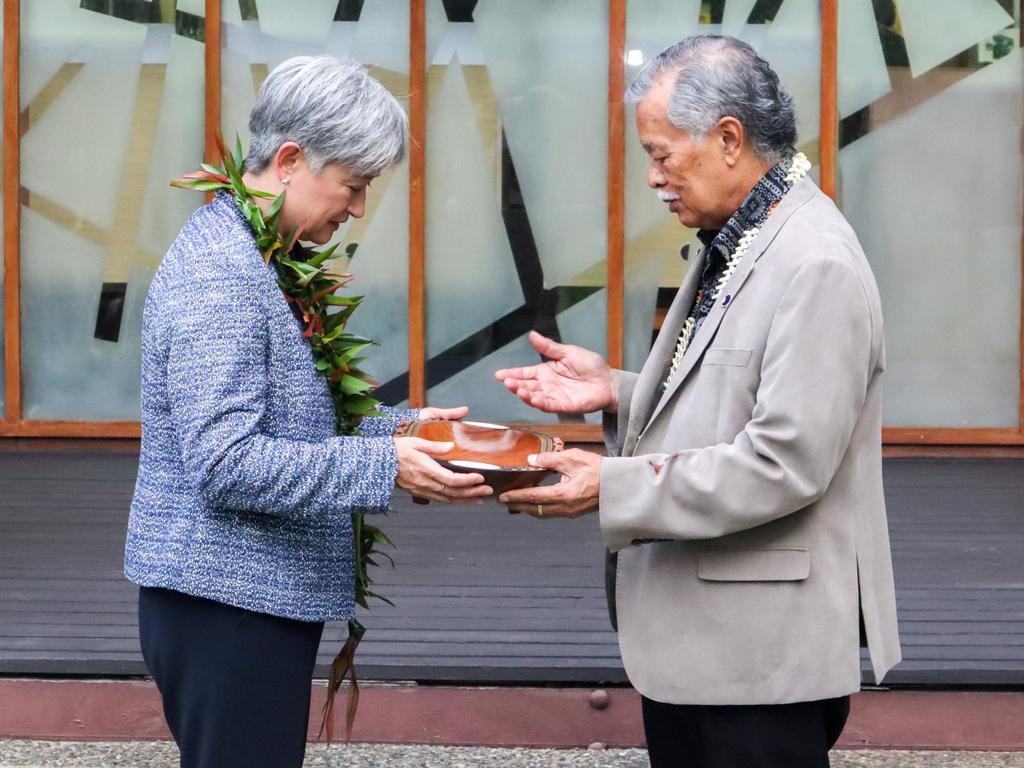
759	473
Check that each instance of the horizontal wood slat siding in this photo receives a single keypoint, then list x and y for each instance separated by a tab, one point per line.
486	596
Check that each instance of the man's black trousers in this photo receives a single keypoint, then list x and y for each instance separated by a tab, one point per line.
235	684
769	736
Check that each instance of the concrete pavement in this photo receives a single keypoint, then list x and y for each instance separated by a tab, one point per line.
162	754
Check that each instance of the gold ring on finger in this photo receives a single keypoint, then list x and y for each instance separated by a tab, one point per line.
540	510
442	489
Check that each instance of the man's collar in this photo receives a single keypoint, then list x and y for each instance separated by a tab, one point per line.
707	236
754	209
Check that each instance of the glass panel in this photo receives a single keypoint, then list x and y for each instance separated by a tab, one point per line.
861	68
260	34
788	35
118	88
930	177
516	153
936	32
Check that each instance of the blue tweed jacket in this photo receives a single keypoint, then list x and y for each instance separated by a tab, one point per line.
244	490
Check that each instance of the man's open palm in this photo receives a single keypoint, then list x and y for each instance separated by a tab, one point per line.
574	380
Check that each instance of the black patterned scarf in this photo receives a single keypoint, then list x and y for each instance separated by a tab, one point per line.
721	244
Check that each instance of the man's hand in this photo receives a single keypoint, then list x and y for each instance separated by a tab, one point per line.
574	380
424	478
574	496
443	414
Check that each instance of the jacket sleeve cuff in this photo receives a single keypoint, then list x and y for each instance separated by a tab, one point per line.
386	421
369	489
618	495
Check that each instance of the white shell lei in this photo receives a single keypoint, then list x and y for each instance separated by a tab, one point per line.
798	168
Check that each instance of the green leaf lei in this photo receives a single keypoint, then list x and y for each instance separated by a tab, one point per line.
307	284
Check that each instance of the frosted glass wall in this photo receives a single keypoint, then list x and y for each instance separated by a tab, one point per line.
930	175
258	35
788	35
516	225
930	96
112	106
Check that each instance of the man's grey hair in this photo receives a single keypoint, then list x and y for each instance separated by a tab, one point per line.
334	110
716	77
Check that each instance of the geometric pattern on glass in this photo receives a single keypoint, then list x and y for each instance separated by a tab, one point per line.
930	177
940	220
517	113
258	35
118	88
937	31
787	33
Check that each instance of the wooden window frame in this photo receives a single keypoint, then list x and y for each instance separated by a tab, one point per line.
13	425
12	219
417	203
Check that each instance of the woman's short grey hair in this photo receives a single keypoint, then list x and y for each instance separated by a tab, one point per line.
716	77
334	110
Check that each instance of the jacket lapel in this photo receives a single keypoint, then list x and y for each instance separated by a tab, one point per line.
797	197
647	389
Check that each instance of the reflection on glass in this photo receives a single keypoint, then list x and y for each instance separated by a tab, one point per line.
516	219
930	177
118	88
788	35
260	34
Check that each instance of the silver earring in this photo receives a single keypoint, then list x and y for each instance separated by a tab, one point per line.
285	181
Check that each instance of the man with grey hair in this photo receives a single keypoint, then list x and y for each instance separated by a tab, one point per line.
742	491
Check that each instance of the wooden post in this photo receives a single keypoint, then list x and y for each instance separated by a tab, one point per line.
616	174
829	134
417	201
12	212
211	60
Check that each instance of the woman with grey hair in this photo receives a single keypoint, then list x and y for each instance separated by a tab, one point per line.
240	535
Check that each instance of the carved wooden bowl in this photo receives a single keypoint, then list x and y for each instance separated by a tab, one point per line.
497	452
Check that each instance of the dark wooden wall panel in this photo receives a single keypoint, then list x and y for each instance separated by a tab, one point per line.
486	596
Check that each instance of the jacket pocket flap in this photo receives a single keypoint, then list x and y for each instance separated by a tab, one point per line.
723	356
754	564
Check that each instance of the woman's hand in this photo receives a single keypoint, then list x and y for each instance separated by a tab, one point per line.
574	380
443	414
424	478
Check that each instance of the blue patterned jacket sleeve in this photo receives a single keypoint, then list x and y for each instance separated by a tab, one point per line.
218	381
387	422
